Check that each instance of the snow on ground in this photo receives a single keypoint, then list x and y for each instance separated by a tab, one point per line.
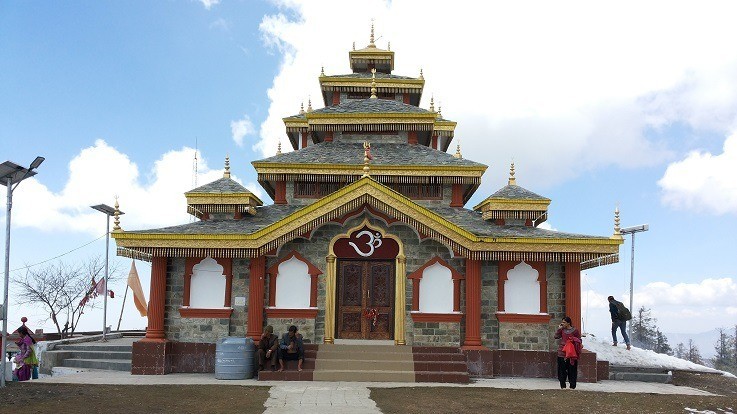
619	355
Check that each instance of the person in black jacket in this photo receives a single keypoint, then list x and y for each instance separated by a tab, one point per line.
617	323
291	348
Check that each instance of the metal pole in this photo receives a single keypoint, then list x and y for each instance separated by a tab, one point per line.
122	307
104	301
632	279
7	280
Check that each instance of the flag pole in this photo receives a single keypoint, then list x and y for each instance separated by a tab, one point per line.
122	307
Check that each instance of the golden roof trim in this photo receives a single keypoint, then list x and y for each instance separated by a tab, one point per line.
309	168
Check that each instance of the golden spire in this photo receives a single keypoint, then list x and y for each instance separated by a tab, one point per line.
373	84
371	40
301	108
278	147
116	214
421	75
440	112
389	46
226	173
617	232
322	70
366	158
512	180
309	104
432	103
458	152
354	45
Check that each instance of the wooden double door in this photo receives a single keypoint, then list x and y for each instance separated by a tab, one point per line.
365	303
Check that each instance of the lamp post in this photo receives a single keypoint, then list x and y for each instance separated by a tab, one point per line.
108	211
11	175
632	231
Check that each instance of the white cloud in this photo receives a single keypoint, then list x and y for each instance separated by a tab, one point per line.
707	293
221	24
209	3
703	181
241	128
564	90
99	173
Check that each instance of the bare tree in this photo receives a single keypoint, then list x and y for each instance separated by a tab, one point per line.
64	290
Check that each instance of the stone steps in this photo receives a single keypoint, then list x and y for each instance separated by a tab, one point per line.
104	364
92	355
644	374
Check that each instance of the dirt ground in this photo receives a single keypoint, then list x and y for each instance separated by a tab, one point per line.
455	400
63	398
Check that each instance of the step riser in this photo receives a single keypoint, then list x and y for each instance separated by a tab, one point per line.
125	356
94	364
363	376
441	367
364	356
347	365
440	357
366	348
95	348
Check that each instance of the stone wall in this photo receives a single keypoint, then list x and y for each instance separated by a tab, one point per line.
436	334
304	326
489	304
524	336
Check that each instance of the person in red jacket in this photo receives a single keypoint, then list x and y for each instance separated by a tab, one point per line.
568	364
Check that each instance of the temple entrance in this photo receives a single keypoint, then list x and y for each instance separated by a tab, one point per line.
365	305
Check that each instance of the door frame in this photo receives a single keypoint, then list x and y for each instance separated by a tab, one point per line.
400	282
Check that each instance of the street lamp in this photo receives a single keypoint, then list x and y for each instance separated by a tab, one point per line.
11	175
632	231
108	211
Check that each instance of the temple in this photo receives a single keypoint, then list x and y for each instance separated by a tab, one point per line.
368	239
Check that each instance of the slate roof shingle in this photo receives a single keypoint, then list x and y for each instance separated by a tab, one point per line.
220	186
515	192
337	152
362	106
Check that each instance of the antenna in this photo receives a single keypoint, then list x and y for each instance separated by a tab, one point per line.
194	165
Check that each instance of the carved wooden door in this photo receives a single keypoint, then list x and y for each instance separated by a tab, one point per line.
365	287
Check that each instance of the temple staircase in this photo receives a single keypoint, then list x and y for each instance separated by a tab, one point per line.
375	363
112	356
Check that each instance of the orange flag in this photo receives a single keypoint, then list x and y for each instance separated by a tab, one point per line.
135	284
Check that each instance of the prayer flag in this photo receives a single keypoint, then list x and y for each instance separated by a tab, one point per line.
135	284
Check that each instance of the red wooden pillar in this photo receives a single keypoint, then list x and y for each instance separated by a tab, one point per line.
280	192
405	98
329	136
304	140
256	297
434	142
157	301
336	98
473	305
456	197
573	292
412	137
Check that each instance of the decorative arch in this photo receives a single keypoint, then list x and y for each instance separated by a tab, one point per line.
503	314
310	269
455	278
218	309
399	290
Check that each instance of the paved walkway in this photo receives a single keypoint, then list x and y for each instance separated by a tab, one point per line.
318	397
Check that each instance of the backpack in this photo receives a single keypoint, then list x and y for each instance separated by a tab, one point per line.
624	313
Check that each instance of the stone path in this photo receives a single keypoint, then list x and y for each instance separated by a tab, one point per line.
320	398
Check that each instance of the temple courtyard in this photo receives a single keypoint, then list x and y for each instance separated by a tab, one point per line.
118	392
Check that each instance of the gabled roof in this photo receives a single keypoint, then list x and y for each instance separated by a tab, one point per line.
228	238
220	186
363	106
338	152
515	192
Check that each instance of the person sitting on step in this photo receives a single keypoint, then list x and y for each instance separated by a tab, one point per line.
291	348
268	349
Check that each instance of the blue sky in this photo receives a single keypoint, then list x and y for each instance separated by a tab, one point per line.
597	107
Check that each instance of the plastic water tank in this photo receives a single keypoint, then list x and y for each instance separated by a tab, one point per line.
234	358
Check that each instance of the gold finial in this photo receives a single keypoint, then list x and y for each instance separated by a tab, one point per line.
366	158
512	180
278	148
458	152
322	70
373	83
226	173
371	41
389	46
354	45
617	232
440	112
116	214
421	75
432	103
309	104
301	108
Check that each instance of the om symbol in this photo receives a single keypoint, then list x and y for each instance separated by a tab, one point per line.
373	243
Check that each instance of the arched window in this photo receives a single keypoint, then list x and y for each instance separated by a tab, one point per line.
436	289
293	283
207	286
522	290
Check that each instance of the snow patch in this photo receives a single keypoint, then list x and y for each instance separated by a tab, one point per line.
637	357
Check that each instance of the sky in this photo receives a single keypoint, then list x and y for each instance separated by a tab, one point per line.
599	105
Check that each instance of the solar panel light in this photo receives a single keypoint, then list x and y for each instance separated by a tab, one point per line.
635	229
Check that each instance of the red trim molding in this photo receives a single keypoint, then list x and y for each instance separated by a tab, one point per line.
523	318
189	264
312	270
506	266
291	313
416	276
436	317
573	292
221	313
